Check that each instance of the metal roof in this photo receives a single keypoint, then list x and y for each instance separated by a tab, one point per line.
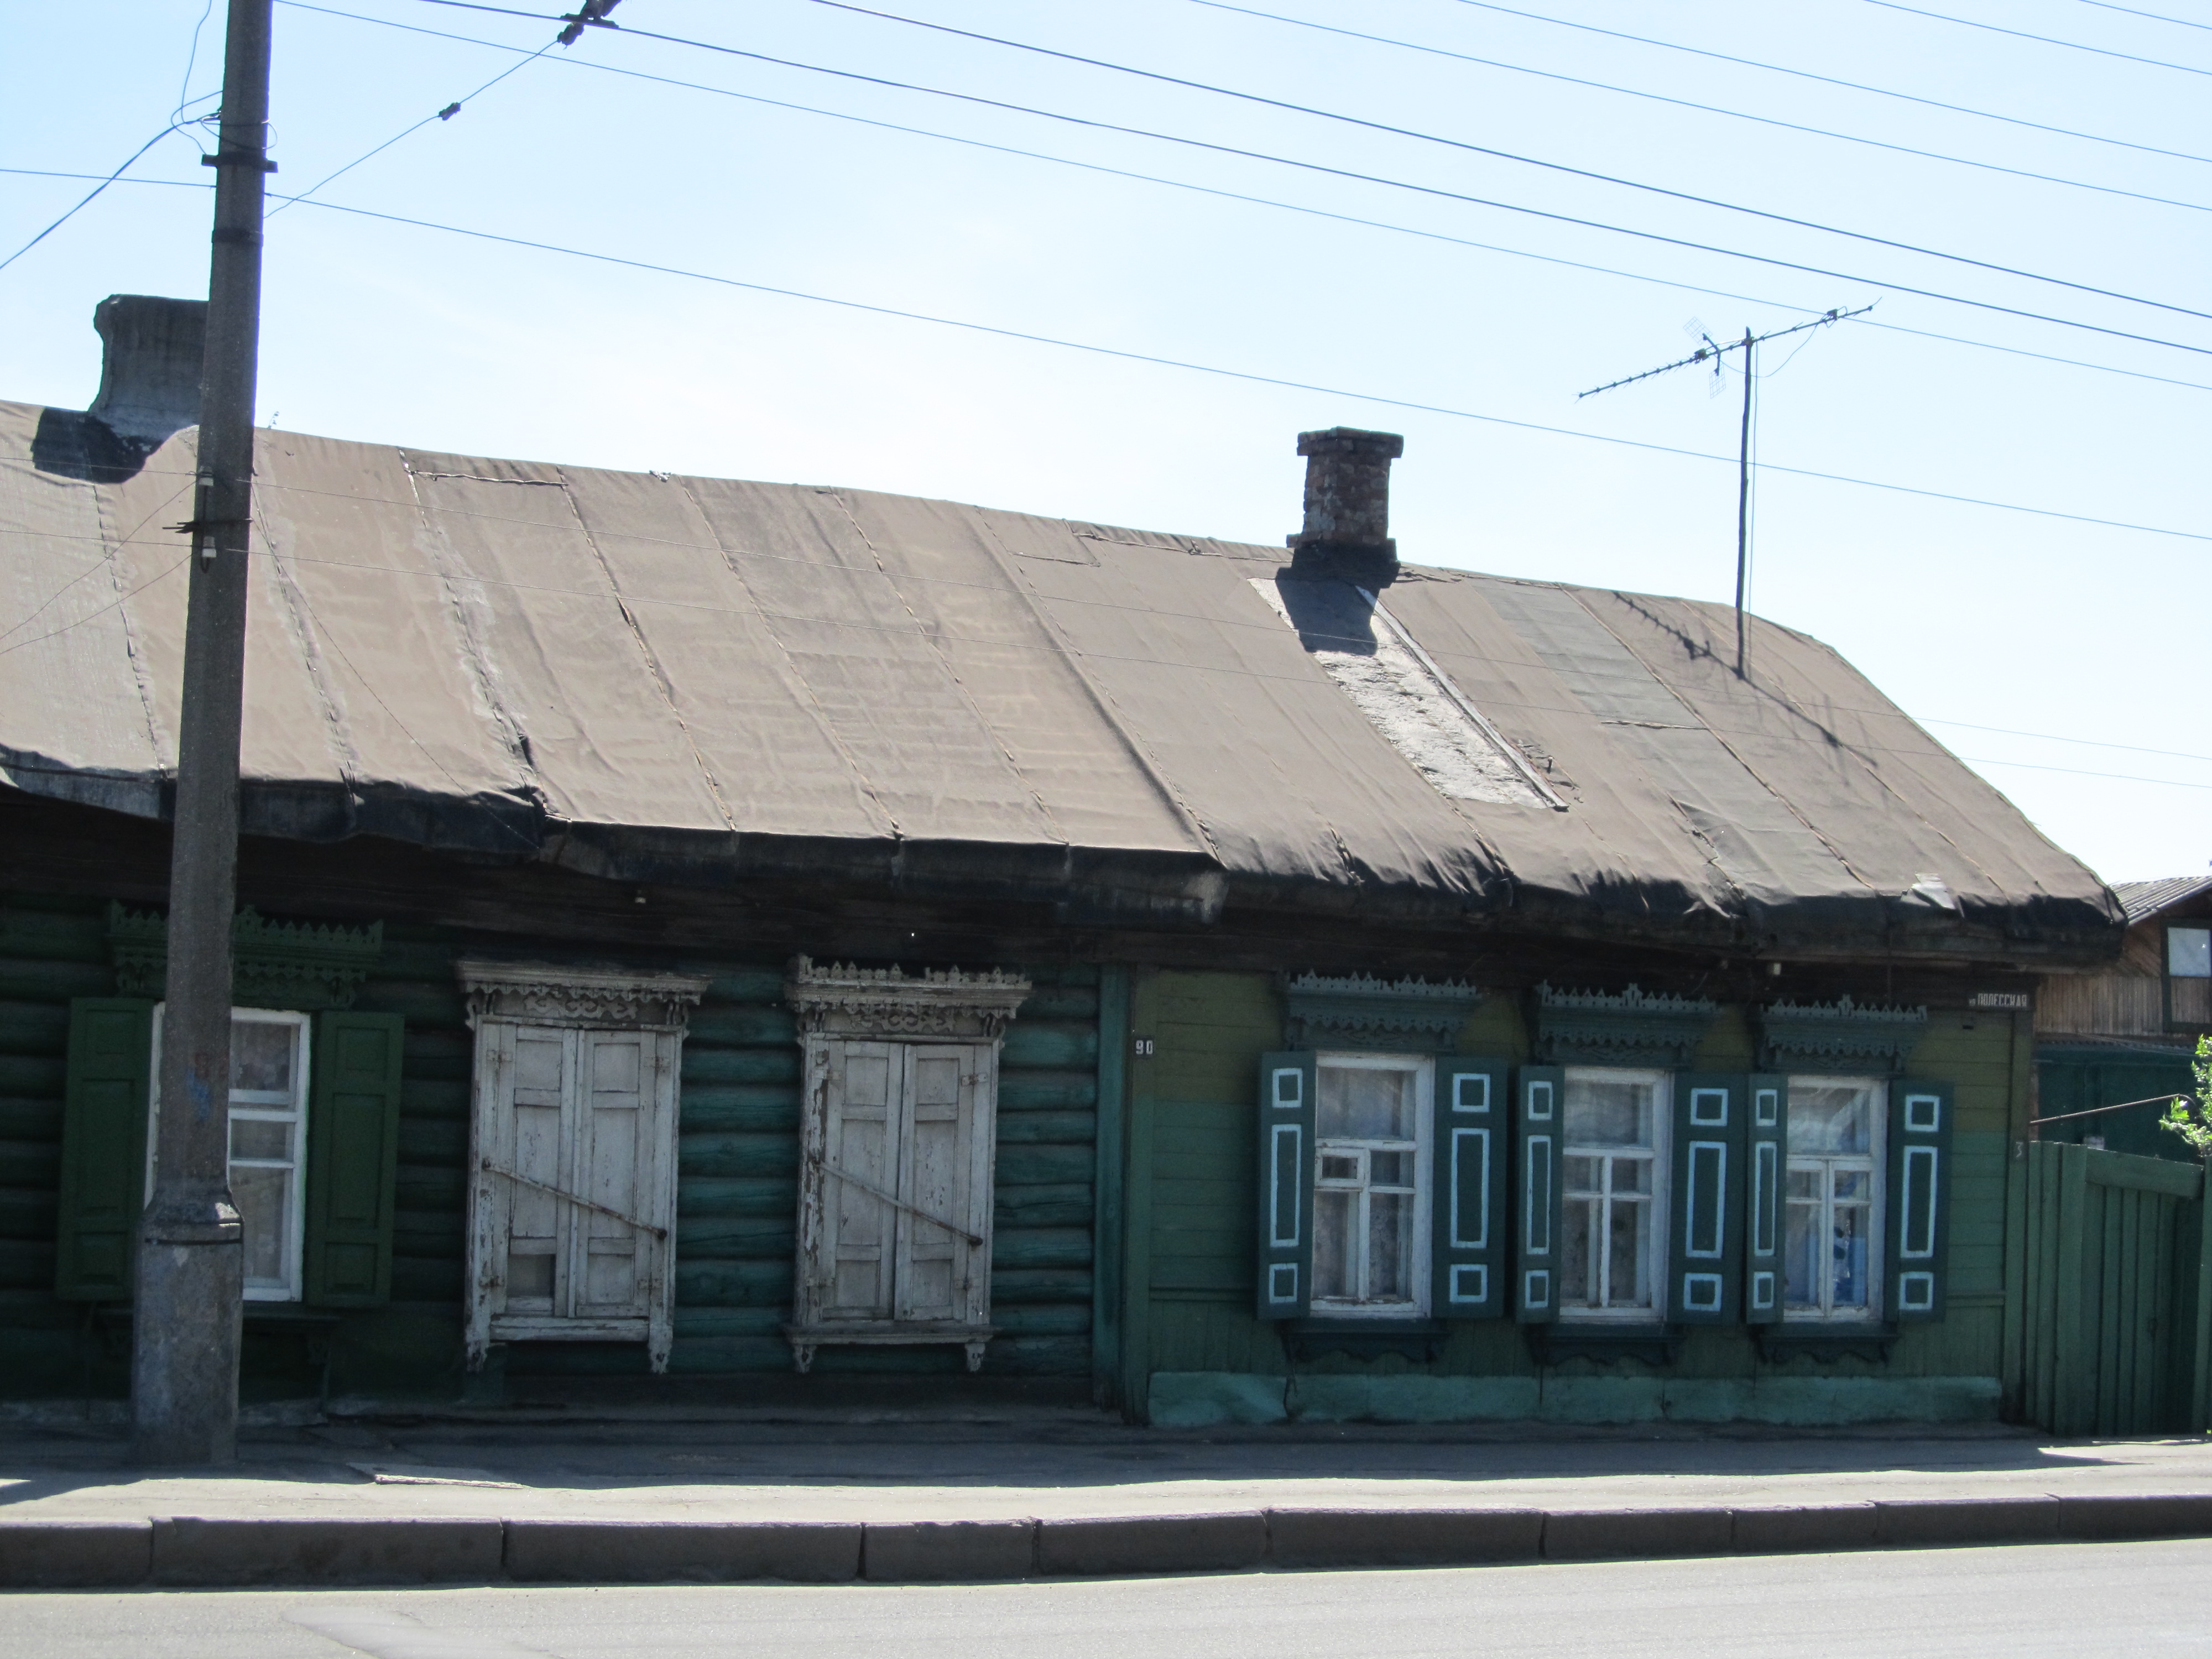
656	677
2140	899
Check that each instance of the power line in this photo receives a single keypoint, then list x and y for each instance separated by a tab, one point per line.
89	196
1234	375
591	10
2052	737
1393	183
2046	40
1497	154
1709	109
1826	80
1208	190
2157	17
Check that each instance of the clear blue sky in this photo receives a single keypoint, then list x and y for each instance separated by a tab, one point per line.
2091	639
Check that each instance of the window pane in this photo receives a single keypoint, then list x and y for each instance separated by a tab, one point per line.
1800	1248
1632	1174
1805	1183
1581	1174
1364	1103
1340	1166
2189	952
1390	1168
1389	1246
1831	1118
1629	1254
1579	1260
1335	1271
1604	1111
1854	1186
261	1056
257	1138
1849	1256
263	1200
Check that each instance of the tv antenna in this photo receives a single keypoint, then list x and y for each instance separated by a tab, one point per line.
1712	351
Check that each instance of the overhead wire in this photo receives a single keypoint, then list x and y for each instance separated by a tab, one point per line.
1496	154
1709	109
90	196
1809	75
1230	374
1436	191
2046	40
2155	16
1227	195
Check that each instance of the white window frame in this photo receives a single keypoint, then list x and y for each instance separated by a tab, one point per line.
1418	1268
1875	1163
1654	1265
506	1000
292	1285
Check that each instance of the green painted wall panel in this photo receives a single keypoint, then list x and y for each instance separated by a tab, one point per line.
746	1196
1047	1091
1067	1204
755	1155
1041	1247
1048	1128
704	1065
31	1119
736	1238
40	1027
29	1213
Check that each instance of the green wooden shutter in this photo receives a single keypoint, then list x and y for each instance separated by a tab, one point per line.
103	1186
1287	1084
1467	1204
1706	1203
352	1158
1766	1166
1919	1158
1539	1105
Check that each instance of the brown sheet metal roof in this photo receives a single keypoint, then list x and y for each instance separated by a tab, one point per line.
2141	899
658	678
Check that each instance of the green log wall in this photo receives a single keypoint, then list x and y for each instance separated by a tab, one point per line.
737	1188
1193	1352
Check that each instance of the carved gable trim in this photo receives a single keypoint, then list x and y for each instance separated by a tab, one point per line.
549	993
1839	1035
886	1005
1596	1028
1358	1011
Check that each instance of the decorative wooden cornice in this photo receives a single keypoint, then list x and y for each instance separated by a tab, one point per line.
1839	1035
886	1005
551	994
1596	1028
1357	1011
301	966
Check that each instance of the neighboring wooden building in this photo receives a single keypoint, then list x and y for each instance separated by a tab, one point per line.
806	941
2126	1032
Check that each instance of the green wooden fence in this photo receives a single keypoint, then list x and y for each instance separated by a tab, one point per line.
2112	1293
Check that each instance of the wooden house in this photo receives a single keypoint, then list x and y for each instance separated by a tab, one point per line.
805	941
2114	1045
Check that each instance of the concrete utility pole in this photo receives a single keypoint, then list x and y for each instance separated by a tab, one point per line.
184	1381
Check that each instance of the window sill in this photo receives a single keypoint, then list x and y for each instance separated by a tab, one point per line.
1605	1341
1826	1340
1418	1340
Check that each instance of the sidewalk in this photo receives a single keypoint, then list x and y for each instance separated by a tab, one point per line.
644	1494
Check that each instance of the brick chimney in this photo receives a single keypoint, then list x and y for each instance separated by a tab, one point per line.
1347	537
149	373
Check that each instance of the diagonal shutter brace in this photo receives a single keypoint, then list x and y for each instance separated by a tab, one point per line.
828	1169
490	1168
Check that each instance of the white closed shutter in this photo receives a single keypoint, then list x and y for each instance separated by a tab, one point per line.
614	1109
531	1135
861	1133
937	1268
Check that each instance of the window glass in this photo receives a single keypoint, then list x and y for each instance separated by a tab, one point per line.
1828	1251
2189	952
268	1127
1608	1254
1368	1186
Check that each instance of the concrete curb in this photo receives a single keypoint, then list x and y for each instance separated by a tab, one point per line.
204	1552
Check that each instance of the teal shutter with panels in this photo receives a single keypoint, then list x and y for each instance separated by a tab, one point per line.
1706	1203
1919	1157
1466	1208
1539	1112
103	1173
352	1158
1287	1083
1766	1167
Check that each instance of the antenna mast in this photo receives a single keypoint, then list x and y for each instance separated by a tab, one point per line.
1713	352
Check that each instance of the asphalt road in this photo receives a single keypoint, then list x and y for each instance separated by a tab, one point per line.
2140	1600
